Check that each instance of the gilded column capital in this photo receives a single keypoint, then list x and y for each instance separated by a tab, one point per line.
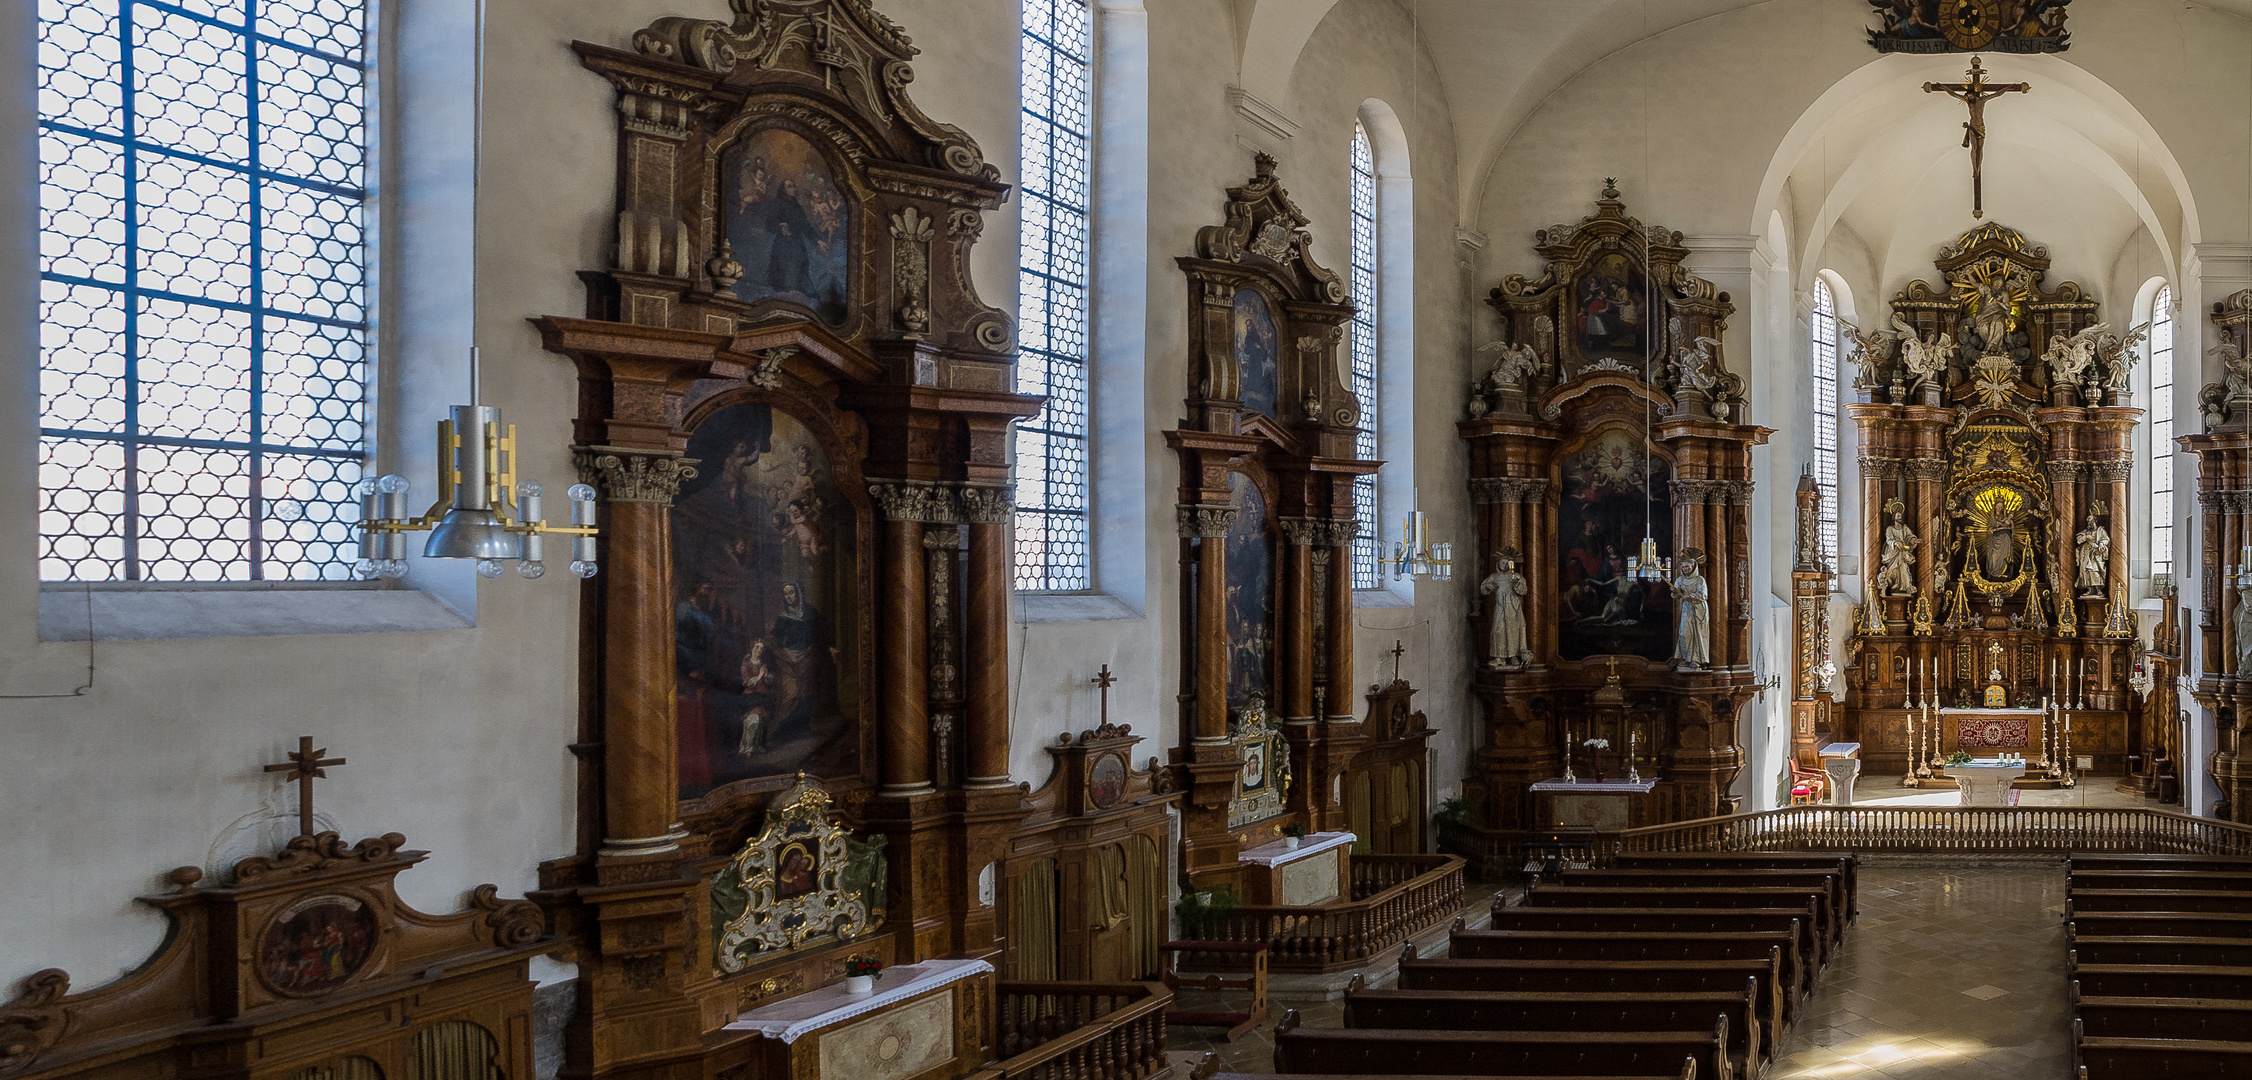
913	500
1194	521
625	474
2117	471
986	505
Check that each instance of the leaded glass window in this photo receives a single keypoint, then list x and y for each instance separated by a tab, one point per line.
1365	574
203	292
1825	341
1055	81
2162	431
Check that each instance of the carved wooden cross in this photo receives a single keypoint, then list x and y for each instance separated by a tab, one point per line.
303	765
1397	649
1975	94
1102	681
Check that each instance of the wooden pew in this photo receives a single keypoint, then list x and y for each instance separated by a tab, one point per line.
1845	866
2159	1059
1799	919
2164	980
2197	900
2216	924
1750	1042
2111	861
2205	951
1209	1069
1830	883
2162	1018
2210	880
1746	897
1607	977
1396	1051
1632	945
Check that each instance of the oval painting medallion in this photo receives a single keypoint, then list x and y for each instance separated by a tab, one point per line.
316	944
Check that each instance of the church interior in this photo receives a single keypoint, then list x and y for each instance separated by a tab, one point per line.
1113	539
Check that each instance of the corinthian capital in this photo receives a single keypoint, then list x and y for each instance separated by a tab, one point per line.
912	500
627	475
1205	520
986	505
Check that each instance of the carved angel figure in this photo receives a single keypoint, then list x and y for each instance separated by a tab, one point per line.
1693	367
2117	355
1517	362
2236	371
2069	358
1863	352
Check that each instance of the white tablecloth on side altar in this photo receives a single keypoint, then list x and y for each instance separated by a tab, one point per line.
791	1017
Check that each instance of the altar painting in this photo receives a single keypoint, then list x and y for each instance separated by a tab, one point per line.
1250	595
1611	488
765	618
1611	313
1258	352
787	222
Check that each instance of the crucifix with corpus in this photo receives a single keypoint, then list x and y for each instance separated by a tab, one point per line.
1975	94
303	765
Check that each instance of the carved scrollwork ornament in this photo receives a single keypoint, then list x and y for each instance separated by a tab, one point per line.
633	476
512	922
768	374
1204	521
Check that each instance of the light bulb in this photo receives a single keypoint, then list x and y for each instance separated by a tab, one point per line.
530	568
580	493
490	568
366	568
529	489
392	484
395	568
583	567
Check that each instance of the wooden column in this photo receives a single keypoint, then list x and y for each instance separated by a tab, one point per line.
1873	470
903	695
1209	526
2064	494
2115	473
641	748
2214	612
1338	700
991	514
1740	555
1721	575
1299	608
1544	570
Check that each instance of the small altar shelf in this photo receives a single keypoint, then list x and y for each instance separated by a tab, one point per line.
1598	787
790	1018
1275	854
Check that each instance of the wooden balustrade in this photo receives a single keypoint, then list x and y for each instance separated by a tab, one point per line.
1395	897
1940	830
1079	1030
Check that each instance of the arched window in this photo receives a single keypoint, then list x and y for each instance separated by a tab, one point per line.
203	290
1055	83
1824	331
1364	353
2162	432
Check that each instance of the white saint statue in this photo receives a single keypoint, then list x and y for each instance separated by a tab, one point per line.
2092	554
1506	644
2244	631
1692	643
1896	565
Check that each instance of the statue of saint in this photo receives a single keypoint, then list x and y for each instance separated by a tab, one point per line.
1506	644
2244	631
1692	643
1896	565
2092	554
1999	550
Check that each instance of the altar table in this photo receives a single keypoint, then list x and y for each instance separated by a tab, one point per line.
1596	804
922	1021
1986	781
1314	872
1975	730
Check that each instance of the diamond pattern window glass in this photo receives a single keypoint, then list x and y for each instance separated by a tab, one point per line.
1825	341
2162	431
1055	82
203	291
1365	574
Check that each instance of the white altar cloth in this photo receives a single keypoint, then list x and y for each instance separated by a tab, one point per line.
791	1017
1986	781
1274	854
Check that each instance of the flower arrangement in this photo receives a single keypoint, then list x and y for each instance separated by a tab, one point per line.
1958	758
1599	744
857	966
1298	831
1595	749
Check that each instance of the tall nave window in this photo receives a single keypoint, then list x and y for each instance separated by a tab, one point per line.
2162	431
1365	574
1055	83
1825	356
203	289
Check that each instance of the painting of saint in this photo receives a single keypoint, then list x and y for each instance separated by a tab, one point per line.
1612	312
317	944
1107	780
1610	496
765	612
1250	595
787	222
1258	351
794	871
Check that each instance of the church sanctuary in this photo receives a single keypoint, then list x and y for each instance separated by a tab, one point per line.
1126	540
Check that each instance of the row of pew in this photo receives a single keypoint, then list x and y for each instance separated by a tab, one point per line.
2161	965
1661	967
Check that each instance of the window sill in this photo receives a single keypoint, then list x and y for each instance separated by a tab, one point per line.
1380	598
1072	607
159	612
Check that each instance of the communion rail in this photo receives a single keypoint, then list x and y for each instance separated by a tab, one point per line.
1940	830
1079	1030
1395	897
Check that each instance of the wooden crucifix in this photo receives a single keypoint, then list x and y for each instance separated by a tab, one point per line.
1397	649
303	765
1975	94
1103	680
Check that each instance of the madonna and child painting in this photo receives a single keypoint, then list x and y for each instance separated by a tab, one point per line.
766	630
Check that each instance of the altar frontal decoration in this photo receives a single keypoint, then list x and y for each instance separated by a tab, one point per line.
801	879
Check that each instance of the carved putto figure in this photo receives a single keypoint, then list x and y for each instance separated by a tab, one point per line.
1692	643
1506	643
1896	565
2092	554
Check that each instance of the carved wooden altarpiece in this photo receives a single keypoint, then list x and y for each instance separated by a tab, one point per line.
2224	503
1606	420
1087	871
1387	783
797	411
303	965
1267	464
1995	444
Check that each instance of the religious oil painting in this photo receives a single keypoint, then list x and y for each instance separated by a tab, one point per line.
795	870
316	944
1614	489
1612	315
1107	780
765	612
1250	595
1258	353
788	223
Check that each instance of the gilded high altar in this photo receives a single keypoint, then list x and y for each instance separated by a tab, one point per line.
1995	427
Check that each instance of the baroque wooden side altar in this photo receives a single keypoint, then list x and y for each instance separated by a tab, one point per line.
2224	503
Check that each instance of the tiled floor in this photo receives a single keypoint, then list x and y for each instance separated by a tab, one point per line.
1950	974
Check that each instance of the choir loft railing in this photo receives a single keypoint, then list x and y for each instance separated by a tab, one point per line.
1940	830
1395	897
1079	1030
